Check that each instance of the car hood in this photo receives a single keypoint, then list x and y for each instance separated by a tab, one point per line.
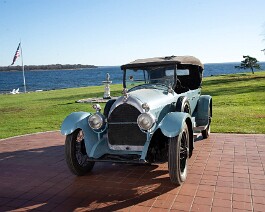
153	97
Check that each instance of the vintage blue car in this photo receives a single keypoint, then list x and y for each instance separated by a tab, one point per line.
153	121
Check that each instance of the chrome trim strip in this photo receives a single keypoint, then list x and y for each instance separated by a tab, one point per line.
131	101
121	123
125	147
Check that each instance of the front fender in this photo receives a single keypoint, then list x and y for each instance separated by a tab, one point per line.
173	123
74	121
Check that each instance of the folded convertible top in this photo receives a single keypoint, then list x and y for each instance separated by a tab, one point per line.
157	61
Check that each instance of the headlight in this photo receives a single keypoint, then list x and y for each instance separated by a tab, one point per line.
145	121
96	121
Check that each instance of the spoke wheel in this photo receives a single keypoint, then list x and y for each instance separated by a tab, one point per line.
178	157
75	153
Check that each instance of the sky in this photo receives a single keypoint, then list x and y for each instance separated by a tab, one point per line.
115	32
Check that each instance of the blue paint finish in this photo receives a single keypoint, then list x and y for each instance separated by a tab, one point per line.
146	146
100	148
79	120
74	121
96	143
92	139
193	96
173	123
202	111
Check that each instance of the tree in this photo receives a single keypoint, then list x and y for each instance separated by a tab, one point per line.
249	62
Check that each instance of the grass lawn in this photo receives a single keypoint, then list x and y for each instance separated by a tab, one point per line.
238	106
238	102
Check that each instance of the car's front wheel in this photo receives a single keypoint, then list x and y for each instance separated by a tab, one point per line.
75	153
178	156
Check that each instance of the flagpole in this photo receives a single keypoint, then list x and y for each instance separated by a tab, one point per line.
23	68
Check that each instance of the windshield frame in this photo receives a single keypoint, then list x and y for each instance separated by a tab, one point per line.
147	70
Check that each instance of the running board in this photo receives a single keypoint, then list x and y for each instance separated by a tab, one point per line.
196	135
199	128
197	131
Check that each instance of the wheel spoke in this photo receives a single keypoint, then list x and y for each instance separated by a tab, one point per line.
81	158
178	155
183	146
75	153
183	150
183	153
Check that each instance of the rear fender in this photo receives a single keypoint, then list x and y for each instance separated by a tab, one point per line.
173	123
202	110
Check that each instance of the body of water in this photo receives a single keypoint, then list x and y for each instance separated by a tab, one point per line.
59	79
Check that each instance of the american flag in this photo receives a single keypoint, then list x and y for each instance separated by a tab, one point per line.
17	54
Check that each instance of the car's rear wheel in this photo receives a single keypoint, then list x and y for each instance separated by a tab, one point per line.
207	131
75	153
178	156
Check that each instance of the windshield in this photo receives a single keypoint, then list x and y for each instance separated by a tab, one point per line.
149	76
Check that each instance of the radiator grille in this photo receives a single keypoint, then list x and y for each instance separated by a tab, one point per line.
123	128
124	113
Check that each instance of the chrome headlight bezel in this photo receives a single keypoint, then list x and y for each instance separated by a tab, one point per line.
96	121
146	121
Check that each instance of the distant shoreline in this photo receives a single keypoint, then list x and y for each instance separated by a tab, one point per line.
46	67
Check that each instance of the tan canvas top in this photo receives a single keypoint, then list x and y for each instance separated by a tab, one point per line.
171	60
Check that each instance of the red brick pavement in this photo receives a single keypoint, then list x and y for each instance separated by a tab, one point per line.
226	173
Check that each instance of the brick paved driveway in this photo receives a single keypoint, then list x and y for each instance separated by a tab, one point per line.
226	173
